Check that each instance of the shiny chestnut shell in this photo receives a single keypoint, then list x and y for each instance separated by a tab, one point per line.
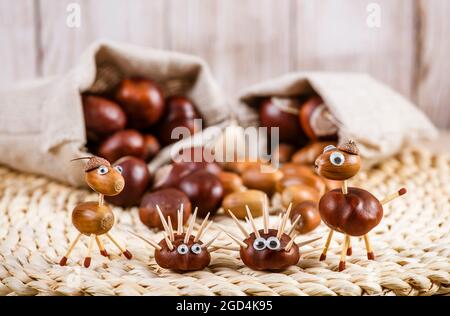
169	201
137	179
127	142
171	259
355	213
272	115
102	117
310	217
268	259
204	190
142	100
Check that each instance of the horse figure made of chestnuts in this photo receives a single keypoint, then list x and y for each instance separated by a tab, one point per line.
94	219
268	249
349	210
182	251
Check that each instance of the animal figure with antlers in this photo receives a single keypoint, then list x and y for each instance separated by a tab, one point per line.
268	249
94	219
349	210
179	250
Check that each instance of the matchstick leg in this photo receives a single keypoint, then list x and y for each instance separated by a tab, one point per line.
125	252
344	253
349	249
370	254
87	259
101	247
63	261
323	256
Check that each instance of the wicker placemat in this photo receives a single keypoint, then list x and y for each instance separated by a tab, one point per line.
411	245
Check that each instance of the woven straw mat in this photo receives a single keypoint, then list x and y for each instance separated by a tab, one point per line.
411	244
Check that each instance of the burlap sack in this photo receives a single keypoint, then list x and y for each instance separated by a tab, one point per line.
41	123
379	119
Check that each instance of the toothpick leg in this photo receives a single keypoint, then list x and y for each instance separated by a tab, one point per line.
323	256
344	252
87	260
349	249
101	247
370	254
125	252
63	261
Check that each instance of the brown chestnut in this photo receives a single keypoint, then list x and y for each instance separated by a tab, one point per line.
137	179
281	113
310	180
240	167
305	113
171	175
204	190
142	101
231	182
263	181
316	121
169	201
236	202
151	147
283	153
354	213
308	154
102	117
180	112
293	169
299	193
128	142
309	216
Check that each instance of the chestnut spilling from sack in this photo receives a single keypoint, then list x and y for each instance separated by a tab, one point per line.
128	127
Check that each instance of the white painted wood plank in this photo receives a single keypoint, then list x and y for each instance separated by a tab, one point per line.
433	93
244	41
137	21
334	35
17	38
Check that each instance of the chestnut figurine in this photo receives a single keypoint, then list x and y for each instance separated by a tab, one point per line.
351	211
182	250
94	219
268	249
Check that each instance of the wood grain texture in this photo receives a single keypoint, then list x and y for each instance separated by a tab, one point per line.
17	37
433	80
138	22
334	35
244	42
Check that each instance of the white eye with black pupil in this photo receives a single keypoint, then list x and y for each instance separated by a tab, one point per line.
259	243
102	170
273	243
337	158
328	148
182	249
119	169
196	248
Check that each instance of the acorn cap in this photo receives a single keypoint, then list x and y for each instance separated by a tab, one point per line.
349	147
96	162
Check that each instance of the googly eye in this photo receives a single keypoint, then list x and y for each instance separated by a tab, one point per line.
259	243
102	170
337	158
328	148
273	243
196	248
182	249
119	169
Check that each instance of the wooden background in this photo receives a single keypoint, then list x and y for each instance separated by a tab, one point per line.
246	41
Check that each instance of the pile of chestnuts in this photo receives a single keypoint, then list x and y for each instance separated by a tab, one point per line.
129	125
